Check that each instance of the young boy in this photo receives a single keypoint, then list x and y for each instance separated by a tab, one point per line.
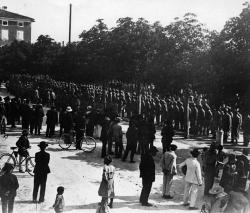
59	202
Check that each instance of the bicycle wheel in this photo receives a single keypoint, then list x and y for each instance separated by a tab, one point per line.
30	165
7	158
3	137
64	141
88	144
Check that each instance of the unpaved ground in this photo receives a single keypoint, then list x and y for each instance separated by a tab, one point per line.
81	173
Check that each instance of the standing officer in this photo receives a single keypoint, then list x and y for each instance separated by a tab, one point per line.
201	119
246	131
147	173
226	124
236	123
193	118
41	171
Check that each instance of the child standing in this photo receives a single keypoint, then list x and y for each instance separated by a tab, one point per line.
59	202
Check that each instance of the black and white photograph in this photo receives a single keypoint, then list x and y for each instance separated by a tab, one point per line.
117	106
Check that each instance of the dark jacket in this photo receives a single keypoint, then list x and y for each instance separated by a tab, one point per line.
226	122
228	177
2	110
39	113
167	133
42	163
25	111
147	167
132	136
104	131
23	144
67	122
8	185
79	120
210	161
52	117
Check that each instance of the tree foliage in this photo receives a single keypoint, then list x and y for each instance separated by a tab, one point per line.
183	52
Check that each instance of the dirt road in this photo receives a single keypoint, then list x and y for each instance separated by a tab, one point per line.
80	173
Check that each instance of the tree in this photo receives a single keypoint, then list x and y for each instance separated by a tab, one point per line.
231	57
185	43
45	52
16	57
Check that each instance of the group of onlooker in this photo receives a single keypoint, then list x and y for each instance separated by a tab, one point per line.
230	171
140	137
9	182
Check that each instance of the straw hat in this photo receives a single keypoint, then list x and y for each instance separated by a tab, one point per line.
69	109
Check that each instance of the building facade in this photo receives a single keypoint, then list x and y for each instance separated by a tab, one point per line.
14	27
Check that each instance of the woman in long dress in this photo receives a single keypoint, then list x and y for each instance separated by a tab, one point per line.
106	189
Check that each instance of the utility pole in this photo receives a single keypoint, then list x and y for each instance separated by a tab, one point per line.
70	10
188	91
187	133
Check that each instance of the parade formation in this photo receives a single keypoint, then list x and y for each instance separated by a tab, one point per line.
137	117
97	112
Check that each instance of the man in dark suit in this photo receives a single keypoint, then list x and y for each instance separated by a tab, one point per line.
25	113
41	171
52	120
147	173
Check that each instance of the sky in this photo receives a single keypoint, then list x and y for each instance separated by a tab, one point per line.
52	16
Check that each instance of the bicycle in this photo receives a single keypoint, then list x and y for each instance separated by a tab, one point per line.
13	159
3	137
87	143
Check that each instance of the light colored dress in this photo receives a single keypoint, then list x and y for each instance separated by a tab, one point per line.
106	188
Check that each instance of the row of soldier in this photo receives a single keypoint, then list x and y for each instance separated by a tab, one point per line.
203	119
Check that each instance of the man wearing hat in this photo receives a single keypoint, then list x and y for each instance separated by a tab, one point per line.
67	121
193	179
52	120
8	185
147	173
41	171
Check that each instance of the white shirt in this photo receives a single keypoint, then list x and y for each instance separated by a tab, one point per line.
193	174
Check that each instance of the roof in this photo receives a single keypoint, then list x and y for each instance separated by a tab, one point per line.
10	15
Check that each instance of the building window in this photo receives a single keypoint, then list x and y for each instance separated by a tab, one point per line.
5	23
20	24
12	23
5	35
19	35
